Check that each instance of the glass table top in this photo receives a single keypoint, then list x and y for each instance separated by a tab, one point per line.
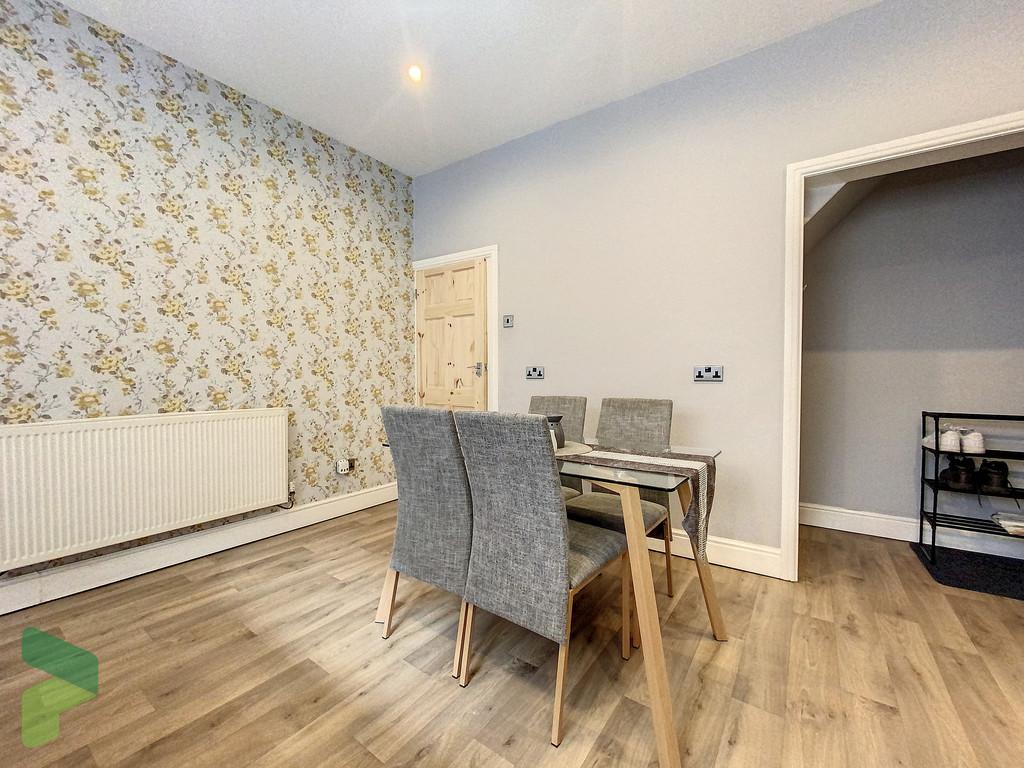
578	466
654	480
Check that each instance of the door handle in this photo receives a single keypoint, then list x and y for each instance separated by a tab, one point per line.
478	368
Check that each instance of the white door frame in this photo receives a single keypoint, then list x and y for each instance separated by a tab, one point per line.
957	142
488	253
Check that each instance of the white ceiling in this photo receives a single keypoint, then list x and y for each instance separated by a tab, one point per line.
494	70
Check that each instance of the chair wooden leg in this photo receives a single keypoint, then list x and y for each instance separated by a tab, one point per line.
386	606
668	558
560	675
390	581
459	639
466	638
627	607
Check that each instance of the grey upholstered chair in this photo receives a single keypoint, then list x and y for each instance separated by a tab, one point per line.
528	560
632	424
435	516
574	411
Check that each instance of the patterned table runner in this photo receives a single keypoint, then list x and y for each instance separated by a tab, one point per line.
699	471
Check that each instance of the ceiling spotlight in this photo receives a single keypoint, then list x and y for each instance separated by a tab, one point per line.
415	73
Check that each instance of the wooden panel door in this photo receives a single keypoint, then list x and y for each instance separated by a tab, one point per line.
451	329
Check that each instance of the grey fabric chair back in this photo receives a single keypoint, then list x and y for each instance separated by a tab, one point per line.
636	424
519	565
435	513
574	411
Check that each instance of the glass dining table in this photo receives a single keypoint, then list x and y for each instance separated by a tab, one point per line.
626	473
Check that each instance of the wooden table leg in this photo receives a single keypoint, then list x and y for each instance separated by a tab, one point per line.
627	608
650	627
707	585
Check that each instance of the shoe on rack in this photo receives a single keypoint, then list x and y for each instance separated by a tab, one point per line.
960	474
972	442
949	440
993	476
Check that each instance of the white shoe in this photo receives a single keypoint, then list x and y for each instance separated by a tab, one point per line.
949	441
972	442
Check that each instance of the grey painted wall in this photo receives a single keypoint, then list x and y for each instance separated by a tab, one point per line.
915	301
647	236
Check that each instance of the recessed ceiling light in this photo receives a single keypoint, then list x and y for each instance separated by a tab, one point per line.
415	73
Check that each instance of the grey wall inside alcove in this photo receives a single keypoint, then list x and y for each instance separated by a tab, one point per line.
914	301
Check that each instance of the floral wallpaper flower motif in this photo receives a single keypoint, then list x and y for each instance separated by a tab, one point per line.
168	244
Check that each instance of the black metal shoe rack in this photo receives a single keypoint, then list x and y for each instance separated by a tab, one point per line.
931	485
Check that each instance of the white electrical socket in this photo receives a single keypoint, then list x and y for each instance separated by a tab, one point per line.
343	466
535	372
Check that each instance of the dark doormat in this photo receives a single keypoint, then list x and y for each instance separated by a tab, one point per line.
991	574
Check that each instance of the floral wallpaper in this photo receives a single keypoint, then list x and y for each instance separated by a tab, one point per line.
169	244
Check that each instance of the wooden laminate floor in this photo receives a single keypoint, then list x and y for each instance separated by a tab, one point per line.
266	655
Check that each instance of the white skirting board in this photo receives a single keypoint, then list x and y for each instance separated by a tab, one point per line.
730	553
35	588
905	529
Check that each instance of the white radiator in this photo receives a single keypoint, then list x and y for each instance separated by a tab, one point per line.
73	486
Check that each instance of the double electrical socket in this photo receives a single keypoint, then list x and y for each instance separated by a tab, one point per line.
709	373
535	372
